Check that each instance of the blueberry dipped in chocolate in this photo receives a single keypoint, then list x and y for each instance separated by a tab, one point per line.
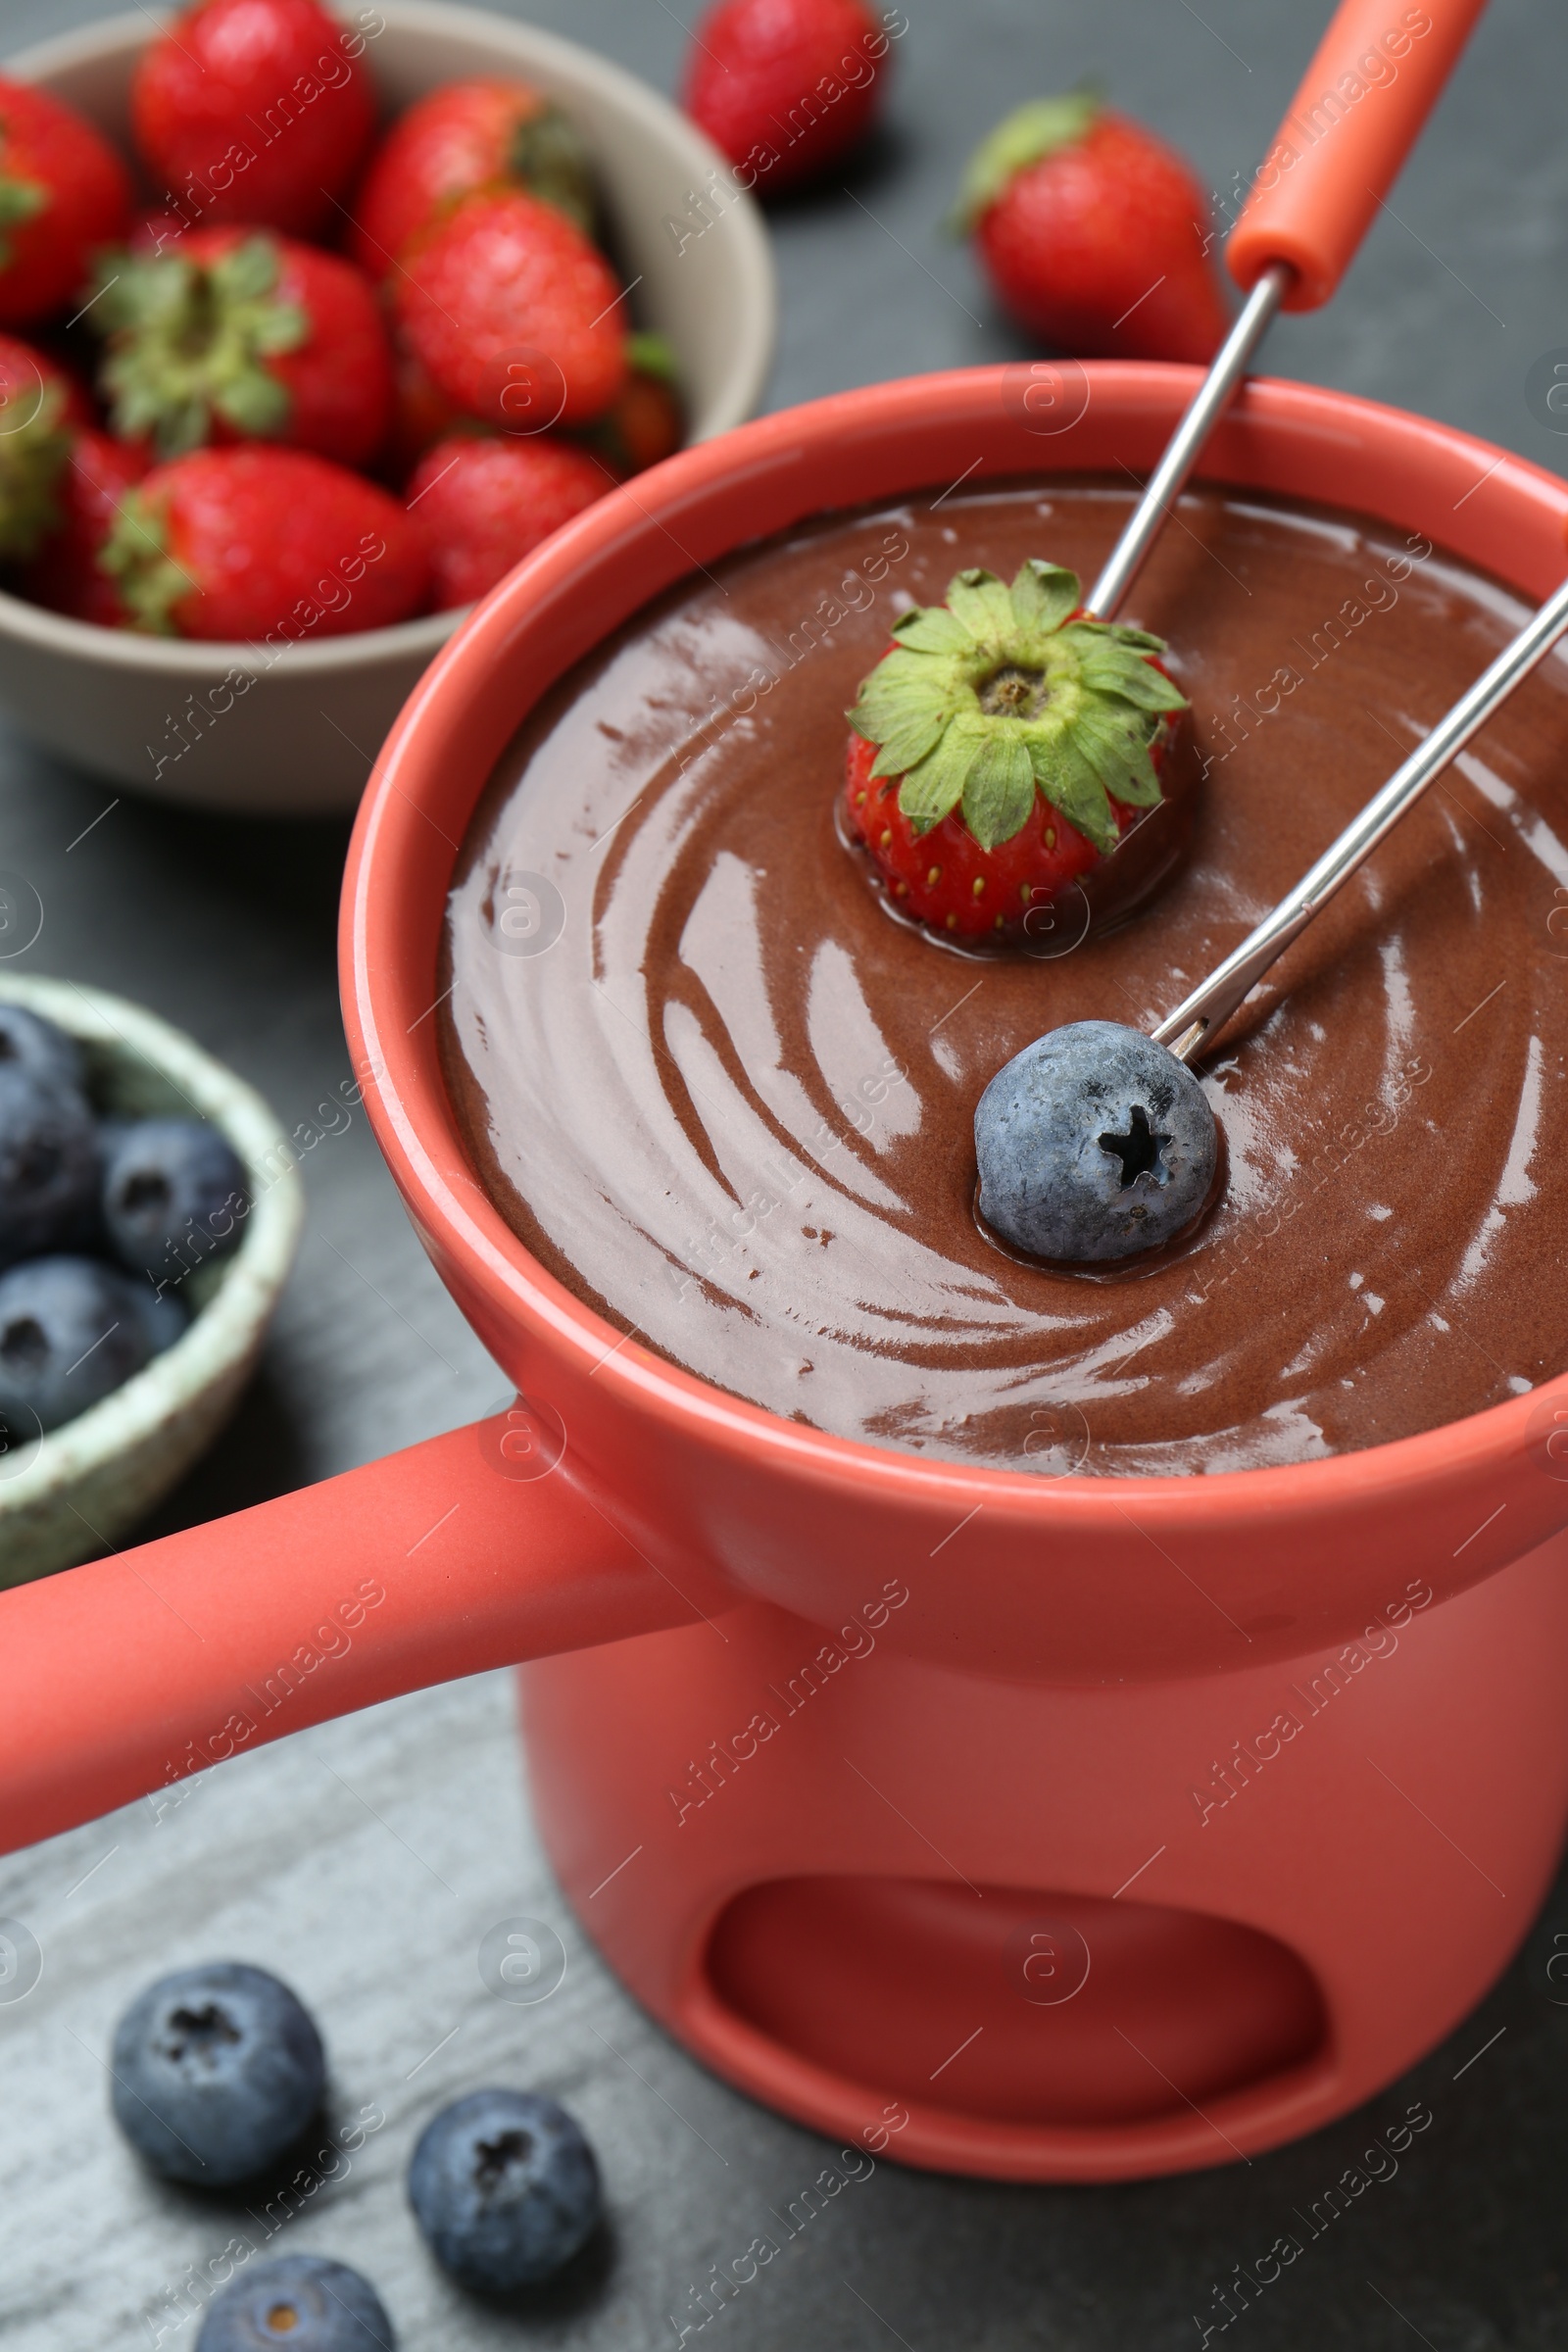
1008	754
1093	1143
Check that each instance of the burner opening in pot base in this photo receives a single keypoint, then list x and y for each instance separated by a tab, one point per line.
1015	2006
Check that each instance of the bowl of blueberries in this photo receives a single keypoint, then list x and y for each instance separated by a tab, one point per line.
149	1212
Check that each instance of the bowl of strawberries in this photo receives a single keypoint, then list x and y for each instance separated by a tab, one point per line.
313	325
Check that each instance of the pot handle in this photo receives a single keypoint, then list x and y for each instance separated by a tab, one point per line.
471	1551
1378	73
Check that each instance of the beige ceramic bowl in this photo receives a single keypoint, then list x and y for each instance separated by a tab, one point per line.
300	736
65	1497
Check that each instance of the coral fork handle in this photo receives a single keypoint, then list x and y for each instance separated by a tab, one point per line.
1377	75
122	1677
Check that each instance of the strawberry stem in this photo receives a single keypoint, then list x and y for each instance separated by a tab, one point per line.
136	556
33	455
19	200
1037	129
189	342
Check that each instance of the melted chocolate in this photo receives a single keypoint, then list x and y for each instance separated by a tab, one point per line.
730	1104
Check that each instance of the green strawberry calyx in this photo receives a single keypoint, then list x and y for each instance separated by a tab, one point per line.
34	451
1005	691
19	200
652	355
136	556
189	341
1035	129
549	155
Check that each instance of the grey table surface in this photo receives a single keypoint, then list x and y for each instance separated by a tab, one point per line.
366	1860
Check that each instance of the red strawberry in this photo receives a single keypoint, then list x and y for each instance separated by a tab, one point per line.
643	422
237	334
421	412
515	314
1095	233
244	543
63	192
468	135
1004	746
157	232
66	574
40	410
484	504
785	87
255	111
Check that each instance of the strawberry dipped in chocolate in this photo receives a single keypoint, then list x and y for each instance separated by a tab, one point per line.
1010	754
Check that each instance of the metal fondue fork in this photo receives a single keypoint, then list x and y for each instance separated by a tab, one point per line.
1199	1015
1043	1126
1185	444
1332	162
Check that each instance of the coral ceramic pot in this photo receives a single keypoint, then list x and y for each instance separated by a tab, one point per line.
946	1811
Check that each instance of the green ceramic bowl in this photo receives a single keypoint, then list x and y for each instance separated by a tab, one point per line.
70	1495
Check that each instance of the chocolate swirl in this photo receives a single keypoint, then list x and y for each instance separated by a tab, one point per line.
728	1100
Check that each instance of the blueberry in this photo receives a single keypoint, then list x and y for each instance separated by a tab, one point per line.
174	1194
30	1043
1093	1142
71	1330
48	1164
216	2072
161	1314
504	2188
320	2306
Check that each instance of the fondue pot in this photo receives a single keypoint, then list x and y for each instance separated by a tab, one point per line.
1036	1828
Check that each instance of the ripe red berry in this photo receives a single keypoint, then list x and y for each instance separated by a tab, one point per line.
421	412
66	574
254	110
41	409
248	543
786	87
464	136
234	334
932	876
484	504
1005	747
63	193
644	422
1095	234
515	315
